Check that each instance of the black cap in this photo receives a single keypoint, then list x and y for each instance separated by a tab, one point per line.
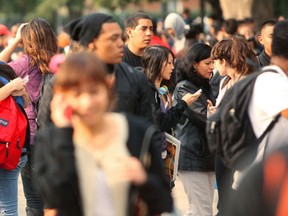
86	28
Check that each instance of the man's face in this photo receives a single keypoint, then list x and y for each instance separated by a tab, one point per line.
141	36
265	39
109	44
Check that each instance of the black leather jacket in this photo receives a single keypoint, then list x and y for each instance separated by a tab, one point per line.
190	130
165	120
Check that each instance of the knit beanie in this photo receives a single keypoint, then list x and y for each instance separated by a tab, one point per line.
85	28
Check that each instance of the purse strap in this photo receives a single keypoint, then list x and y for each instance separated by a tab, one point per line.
146	143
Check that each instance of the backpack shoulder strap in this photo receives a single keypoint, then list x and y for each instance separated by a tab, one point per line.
270	126
275	120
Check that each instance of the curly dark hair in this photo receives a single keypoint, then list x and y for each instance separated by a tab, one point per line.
237	54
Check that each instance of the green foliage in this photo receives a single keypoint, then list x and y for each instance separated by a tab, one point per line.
120	4
28	9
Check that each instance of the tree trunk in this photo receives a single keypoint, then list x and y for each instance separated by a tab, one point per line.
259	10
216	8
238	9
262	10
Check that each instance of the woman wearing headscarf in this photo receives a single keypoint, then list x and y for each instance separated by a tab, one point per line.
175	26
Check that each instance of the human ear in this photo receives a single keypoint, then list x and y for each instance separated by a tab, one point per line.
92	46
260	39
195	65
223	62
129	32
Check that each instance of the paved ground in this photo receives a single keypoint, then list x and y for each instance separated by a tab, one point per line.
21	199
178	194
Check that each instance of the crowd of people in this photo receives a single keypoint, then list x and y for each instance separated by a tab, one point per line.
98	114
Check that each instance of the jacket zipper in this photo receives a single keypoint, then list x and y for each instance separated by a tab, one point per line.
6	144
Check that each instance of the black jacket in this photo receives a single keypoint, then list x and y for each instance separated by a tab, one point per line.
56	175
169	119
194	153
263	59
131	87
131	91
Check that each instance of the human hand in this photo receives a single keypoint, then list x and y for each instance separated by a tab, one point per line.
190	98
211	109
131	170
59	109
50	212
17	84
18	33
20	92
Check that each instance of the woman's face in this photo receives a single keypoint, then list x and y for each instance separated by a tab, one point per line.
89	101
167	68
220	67
204	68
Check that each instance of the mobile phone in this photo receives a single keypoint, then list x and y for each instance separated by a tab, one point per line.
26	79
68	112
199	91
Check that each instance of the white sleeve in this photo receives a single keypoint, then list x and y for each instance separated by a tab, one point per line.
271	93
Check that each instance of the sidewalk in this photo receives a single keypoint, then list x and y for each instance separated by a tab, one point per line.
178	193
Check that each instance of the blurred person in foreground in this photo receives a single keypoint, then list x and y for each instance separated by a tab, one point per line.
89	163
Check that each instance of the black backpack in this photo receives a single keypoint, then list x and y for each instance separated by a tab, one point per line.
229	130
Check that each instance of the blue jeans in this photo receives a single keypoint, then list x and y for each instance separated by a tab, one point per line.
9	189
34	203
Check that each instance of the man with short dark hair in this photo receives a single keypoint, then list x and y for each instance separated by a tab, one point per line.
101	34
265	38
139	29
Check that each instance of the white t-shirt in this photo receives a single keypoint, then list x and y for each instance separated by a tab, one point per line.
269	98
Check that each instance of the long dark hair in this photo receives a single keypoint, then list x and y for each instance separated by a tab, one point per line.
195	54
153	59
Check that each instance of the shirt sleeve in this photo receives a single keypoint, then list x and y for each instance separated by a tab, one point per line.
271	93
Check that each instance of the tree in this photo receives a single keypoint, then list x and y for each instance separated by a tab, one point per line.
114	4
259	10
22	11
216	8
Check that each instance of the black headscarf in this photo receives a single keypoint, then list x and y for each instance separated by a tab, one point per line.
86	28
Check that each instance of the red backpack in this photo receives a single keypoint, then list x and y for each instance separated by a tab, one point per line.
13	132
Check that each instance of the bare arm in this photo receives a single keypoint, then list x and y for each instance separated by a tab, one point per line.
22	93
15	85
6	53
